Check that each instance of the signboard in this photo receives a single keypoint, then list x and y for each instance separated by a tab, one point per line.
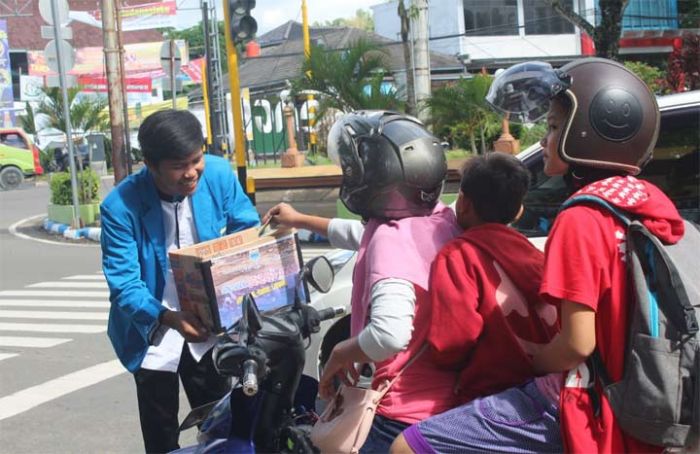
137	17
46	12
6	93
67	55
30	88
99	84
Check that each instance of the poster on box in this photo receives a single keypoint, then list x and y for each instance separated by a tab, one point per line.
270	272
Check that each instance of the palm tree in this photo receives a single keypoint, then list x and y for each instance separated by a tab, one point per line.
86	114
460	109
348	79
27	121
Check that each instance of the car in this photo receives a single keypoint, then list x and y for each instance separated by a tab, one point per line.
19	158
675	168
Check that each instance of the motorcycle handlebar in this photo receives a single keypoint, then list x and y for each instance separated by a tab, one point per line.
250	377
331	312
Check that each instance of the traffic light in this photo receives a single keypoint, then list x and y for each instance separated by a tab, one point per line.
243	26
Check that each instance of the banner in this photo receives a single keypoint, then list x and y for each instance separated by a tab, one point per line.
99	84
138	57
30	88
6	94
137	17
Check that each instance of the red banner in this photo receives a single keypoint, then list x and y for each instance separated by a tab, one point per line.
99	84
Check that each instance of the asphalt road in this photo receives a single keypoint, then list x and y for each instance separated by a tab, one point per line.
61	388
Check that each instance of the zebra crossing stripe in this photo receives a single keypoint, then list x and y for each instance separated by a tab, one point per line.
7	355
54	293
70	284
33	342
53	315
85	277
53	303
52	328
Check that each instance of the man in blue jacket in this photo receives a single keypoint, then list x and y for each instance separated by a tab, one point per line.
182	197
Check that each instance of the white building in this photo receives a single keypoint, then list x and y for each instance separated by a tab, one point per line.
491	31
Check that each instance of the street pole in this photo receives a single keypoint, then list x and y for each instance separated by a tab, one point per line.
66	114
310	108
173	85
236	108
122	81
116	101
213	126
422	59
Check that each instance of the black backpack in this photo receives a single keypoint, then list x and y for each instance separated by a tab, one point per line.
658	399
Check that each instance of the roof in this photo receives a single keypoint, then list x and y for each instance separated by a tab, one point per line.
24	32
282	62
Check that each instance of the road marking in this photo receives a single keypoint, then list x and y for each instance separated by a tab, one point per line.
35	342
13	230
34	396
53	303
53	328
52	293
85	277
57	284
51	315
7	356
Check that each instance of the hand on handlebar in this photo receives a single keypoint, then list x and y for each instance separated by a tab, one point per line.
187	324
341	364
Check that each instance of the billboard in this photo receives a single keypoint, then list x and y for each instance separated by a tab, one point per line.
6	94
137	17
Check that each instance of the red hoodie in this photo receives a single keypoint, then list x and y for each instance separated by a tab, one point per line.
585	263
487	316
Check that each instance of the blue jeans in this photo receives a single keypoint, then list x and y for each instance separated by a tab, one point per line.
382	435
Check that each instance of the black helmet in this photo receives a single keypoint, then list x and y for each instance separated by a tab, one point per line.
614	119
392	166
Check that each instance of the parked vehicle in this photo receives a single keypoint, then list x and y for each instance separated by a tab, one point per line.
19	158
264	354
675	168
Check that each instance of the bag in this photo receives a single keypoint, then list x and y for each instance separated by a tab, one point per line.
347	419
658	399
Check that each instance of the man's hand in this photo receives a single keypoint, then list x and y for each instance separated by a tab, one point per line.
187	324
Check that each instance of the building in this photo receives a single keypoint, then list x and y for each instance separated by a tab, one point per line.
498	33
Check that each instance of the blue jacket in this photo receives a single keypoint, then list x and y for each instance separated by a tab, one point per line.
134	258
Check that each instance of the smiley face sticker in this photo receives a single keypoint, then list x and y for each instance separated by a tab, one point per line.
616	114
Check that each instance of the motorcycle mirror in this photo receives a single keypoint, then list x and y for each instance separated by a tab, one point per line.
319	273
251	315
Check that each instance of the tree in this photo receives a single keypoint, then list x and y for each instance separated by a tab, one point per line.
684	65
363	19
348	79
606	35
27	121
460	111
405	16
651	75
194	36
86	114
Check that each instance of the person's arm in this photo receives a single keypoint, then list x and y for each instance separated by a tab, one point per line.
285	215
390	327
574	343
345	233
129	292
387	333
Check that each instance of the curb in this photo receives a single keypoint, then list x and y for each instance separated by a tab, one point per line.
90	233
93	233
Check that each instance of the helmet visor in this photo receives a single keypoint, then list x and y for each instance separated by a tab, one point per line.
523	91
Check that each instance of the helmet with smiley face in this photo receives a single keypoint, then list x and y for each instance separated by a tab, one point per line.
613	121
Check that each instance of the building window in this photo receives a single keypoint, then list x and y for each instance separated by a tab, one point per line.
541	19
490	17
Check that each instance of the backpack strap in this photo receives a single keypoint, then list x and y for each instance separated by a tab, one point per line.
595	200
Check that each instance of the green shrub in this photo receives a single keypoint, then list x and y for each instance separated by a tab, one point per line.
88	188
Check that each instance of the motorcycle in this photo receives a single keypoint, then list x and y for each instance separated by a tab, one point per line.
270	407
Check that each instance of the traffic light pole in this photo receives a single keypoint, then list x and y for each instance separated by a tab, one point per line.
236	108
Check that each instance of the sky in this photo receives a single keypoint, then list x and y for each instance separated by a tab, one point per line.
272	13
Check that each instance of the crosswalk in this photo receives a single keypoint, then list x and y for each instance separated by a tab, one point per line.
51	313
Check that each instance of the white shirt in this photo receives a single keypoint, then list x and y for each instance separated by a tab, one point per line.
180	231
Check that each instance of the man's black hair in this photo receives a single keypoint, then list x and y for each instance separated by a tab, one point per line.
170	134
496	184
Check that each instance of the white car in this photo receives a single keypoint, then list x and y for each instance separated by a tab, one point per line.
675	168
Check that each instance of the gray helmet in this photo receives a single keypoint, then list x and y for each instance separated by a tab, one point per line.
614	119
392	166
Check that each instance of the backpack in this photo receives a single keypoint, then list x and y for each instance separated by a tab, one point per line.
658	399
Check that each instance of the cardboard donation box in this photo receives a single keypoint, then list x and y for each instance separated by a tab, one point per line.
212	277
